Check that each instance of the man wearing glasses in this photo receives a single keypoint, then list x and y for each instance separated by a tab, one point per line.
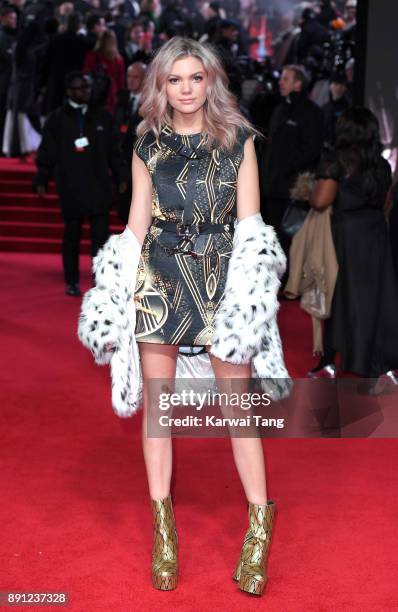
79	148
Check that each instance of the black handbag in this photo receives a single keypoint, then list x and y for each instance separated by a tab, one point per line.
294	217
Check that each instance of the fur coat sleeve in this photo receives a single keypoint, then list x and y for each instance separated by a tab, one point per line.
107	319
245	328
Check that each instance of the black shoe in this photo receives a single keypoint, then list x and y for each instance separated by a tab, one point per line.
73	290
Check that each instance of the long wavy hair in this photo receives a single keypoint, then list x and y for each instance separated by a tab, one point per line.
359	148
102	46
221	114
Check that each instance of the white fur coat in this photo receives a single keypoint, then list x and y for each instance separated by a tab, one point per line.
246	328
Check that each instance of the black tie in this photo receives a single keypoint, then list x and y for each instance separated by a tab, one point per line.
132	102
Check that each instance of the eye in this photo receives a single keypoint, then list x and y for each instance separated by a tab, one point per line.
173	80
198	78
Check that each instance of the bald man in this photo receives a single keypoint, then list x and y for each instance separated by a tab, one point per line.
126	121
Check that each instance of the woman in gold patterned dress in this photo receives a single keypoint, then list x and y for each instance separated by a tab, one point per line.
194	174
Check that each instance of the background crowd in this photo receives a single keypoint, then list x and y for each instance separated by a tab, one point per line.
46	46
41	41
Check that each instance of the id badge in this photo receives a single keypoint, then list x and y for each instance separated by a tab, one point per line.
81	143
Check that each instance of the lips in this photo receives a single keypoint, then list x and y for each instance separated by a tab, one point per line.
187	101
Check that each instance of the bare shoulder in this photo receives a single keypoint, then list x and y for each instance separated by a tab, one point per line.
248	146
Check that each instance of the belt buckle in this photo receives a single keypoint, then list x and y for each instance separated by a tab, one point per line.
183	229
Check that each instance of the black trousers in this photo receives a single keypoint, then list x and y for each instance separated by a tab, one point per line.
99	232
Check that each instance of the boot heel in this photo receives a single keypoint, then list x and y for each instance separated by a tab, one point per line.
164	551
252	583
167	582
251	568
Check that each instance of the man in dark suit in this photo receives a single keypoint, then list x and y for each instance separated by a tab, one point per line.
127	119
65	53
80	148
294	146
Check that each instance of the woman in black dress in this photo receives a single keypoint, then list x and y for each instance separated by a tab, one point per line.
355	180
194	168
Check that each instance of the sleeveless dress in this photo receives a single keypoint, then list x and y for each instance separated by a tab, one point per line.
179	293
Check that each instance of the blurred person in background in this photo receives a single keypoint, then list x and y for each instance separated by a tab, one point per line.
355	180
312	37
8	41
106	59
294	146
340	100
132	8
327	13
62	12
22	126
95	26
350	15
228	49
79	148
215	16
126	122
173	18
134	48
65	53
151	10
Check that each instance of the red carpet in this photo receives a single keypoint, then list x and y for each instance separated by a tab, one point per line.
28	223
75	510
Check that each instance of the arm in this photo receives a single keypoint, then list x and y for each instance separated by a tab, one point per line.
46	155
248	190
324	194
140	216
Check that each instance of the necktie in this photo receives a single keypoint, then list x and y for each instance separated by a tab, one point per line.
132	104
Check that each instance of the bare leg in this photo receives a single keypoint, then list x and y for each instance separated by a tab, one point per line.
248	452
157	361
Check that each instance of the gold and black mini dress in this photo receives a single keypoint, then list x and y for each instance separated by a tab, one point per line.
184	259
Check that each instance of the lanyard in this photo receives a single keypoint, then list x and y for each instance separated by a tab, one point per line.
81	123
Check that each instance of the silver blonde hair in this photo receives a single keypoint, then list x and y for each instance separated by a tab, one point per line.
222	116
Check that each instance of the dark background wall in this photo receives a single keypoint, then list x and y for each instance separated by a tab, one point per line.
377	74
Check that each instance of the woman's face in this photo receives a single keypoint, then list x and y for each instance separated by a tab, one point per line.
187	85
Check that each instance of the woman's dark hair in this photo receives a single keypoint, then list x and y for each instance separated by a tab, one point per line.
358	146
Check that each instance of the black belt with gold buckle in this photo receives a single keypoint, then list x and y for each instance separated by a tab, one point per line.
187	230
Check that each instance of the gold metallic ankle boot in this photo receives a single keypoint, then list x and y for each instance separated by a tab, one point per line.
164	551
250	570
